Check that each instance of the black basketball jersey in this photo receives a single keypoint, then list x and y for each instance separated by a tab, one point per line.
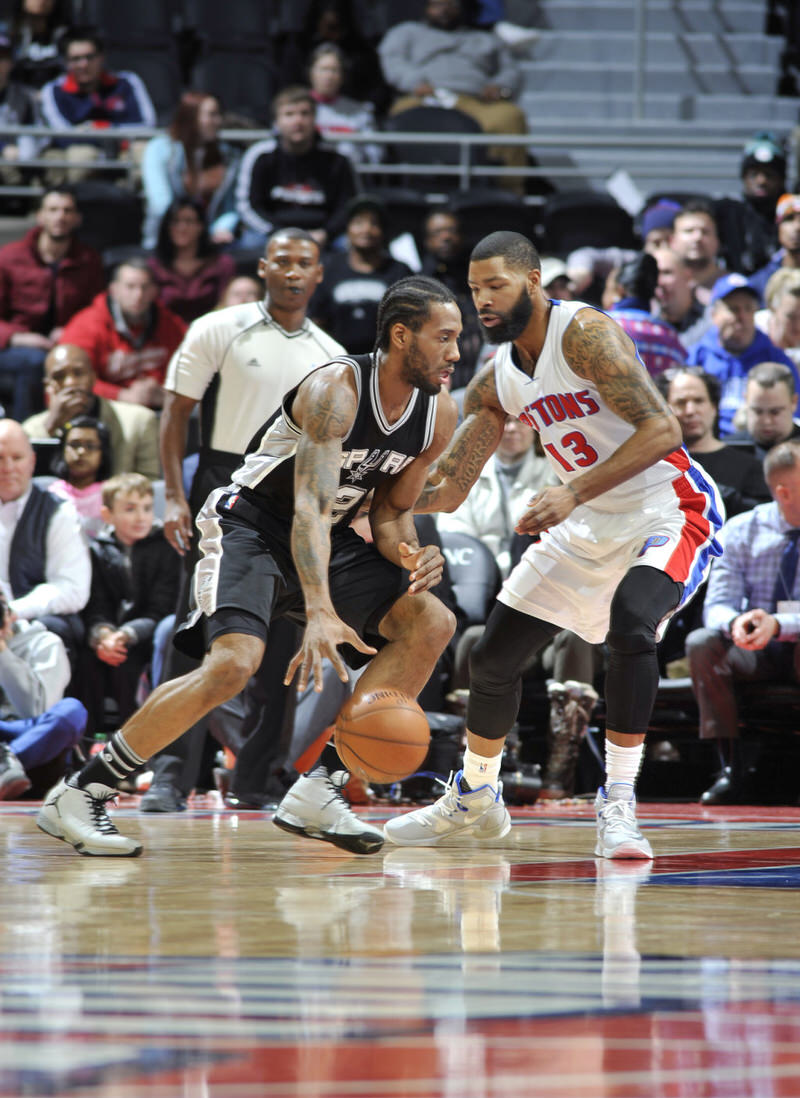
373	450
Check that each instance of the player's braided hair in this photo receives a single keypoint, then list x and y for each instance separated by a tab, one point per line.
409	302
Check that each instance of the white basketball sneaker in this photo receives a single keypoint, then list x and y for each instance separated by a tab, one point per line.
315	807
473	813
78	816
618	834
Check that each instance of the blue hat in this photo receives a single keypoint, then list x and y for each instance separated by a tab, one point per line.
729	283
659	216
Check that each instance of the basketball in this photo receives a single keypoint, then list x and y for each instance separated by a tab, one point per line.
382	737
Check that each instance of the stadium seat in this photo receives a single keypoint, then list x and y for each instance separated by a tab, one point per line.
575	219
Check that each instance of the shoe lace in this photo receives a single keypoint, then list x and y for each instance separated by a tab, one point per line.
100	818
619	813
336	783
450	802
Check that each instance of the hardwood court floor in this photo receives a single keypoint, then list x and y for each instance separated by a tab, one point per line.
234	961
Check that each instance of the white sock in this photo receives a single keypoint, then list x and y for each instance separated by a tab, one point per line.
480	770
622	768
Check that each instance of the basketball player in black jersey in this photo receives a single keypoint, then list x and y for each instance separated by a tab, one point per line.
278	541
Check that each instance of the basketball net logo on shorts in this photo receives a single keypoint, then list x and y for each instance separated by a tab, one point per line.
654	542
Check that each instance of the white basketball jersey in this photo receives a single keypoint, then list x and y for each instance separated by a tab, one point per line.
577	429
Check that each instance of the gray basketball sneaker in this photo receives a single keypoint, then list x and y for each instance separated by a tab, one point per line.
315	807
618	834
79	817
458	814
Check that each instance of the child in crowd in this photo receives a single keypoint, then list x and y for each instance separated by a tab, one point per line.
82	464
135	578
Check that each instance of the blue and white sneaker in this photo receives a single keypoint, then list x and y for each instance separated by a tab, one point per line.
459	813
618	834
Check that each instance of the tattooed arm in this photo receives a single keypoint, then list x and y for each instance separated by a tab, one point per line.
324	409
597	348
450	480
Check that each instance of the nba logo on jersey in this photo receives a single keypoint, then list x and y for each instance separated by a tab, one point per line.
229	502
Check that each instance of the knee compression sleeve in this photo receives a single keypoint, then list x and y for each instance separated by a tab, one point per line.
496	663
643	598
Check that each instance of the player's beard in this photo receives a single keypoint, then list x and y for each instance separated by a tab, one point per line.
513	323
416	370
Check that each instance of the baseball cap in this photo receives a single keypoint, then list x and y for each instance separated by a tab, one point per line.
730	282
366	203
764	150
787	204
552	269
659	216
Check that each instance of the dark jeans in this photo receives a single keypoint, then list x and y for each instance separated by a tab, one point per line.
715	664
21	374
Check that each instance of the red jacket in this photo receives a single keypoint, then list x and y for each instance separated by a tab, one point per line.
119	356
27	284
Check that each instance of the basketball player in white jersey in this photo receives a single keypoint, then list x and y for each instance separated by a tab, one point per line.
626	537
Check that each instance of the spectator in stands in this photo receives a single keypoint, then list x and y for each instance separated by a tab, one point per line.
445	257
656	341
81	466
657	224
787	219
189	271
69	384
696	240
770	401
350	25
240	289
45	278
292	179
191	161
747	225
129	337
134	578
90	97
751	622
346	302
445	62
555	279
780	320
37	723
44	561
693	395
733	345
338	115
37	27
17	108
675	299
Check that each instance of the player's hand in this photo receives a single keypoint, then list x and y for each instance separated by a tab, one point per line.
323	634
551	506
425	565
178	524
754	629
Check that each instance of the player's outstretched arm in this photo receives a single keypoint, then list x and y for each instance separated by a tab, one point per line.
324	409
451	478
596	347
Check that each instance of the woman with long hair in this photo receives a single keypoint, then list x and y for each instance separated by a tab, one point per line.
188	268
191	161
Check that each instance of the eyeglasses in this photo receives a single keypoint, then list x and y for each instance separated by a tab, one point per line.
89	447
81	58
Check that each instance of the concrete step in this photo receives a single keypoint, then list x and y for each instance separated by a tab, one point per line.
663	79
672	16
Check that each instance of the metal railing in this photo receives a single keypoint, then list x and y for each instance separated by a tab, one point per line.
633	147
